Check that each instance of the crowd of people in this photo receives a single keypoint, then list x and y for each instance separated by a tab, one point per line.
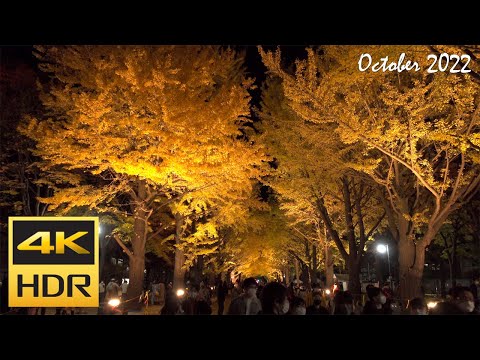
254	298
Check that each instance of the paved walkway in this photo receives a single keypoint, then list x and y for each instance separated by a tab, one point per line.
151	310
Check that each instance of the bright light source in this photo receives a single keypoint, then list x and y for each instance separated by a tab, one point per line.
180	292
432	304
382	249
327	292
114	302
100	230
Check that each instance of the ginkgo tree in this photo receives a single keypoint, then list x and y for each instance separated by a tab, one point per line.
201	217
316	181
261	248
419	129
141	126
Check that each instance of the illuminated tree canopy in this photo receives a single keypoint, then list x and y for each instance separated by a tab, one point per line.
146	123
316	181
194	165
420	130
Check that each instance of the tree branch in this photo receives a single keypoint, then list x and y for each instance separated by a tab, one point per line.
471	190
374	227
401	161
361	224
446	245
133	194
457	180
122	245
306	237
445	175
152	235
348	217
329	226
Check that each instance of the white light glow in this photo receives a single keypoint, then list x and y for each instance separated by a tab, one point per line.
382	249
327	292
432	304
180	292
114	302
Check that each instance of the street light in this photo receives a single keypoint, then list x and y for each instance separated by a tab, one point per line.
382	249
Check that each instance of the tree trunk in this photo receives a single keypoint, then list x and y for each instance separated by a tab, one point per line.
137	259
200	266
328	267
297	277
450	271
354	285
136	274
453	263
308	265
411	262
178	269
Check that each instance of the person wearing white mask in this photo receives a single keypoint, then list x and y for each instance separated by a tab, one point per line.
274	299
460	302
247	303
298	306
463	299
376	303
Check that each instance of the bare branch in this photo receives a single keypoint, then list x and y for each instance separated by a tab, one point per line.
152	235
329	226
374	227
122	245
457	180
445	175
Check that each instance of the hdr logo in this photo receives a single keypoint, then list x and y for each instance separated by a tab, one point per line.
53	261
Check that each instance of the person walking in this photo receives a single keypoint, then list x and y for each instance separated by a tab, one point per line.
275	299
316	308
112	290
417	306
101	290
247	303
376	304
124	289
222	291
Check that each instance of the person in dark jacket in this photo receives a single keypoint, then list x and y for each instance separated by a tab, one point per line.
317	308
222	291
376	305
474	289
247	303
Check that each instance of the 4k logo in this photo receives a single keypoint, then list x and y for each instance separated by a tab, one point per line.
53	261
45	247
